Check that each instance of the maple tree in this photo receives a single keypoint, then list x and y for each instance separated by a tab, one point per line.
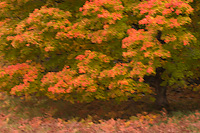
99	49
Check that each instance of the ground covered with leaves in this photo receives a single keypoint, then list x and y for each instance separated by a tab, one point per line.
43	115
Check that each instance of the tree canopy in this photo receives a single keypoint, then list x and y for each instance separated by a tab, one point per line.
80	50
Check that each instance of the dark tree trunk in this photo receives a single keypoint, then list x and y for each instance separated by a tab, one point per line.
160	91
161	97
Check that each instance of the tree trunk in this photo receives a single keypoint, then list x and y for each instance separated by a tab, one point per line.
161	91
161	97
